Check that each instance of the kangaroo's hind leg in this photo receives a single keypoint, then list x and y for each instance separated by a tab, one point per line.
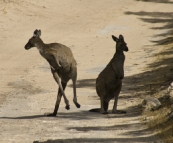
58	100
116	95
74	91
57	79
101	91
105	105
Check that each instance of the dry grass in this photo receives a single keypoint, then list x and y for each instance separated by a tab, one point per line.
159	121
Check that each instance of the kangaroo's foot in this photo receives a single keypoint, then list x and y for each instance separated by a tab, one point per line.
102	111
50	114
119	112
67	107
77	105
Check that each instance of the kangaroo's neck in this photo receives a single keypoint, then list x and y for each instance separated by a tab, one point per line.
120	52
118	56
40	45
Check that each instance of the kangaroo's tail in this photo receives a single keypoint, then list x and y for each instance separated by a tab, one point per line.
95	110
96	86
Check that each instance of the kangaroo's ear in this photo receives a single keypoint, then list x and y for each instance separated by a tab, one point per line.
115	38
37	33
121	37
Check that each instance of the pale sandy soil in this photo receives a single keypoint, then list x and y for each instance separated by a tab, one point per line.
28	89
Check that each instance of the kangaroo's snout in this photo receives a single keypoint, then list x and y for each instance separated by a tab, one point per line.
26	47
126	49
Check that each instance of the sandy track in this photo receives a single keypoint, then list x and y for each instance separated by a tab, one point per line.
27	86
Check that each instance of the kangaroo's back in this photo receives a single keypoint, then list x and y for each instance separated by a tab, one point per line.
60	48
62	53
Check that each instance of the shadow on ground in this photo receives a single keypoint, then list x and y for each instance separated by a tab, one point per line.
132	135
158	17
100	140
82	115
158	1
159	74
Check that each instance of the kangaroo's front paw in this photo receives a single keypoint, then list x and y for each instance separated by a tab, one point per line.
118	112
67	107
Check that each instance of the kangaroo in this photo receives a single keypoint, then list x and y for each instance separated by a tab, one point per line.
109	81
62	64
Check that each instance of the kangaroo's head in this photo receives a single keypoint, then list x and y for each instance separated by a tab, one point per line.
120	43
34	40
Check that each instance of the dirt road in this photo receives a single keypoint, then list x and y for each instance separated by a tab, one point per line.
28	89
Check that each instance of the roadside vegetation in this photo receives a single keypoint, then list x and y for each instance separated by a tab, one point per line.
160	73
159	120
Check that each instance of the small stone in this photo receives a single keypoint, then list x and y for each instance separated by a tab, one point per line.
172	84
151	104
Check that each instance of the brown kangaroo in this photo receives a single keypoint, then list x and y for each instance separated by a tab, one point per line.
109	81
62	63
